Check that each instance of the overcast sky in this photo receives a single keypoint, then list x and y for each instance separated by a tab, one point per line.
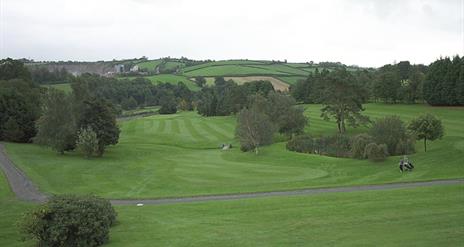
362	32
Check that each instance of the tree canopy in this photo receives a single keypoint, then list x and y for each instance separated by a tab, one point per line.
427	127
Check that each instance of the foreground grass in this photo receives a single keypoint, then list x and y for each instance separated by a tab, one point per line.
11	211
407	217
430	216
178	155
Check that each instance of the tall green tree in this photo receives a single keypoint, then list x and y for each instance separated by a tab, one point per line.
342	100
99	115
57	125
444	82
282	111
254	129
387	86
20	108
13	69
427	127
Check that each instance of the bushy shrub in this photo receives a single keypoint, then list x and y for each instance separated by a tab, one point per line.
70	221
376	152
338	145
87	142
301	143
406	146
358	145
390	130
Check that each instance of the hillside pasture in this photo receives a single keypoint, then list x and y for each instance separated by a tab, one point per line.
231	70
223	62
149	65
276	83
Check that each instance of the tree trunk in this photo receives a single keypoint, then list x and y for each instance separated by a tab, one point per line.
425	144
256	150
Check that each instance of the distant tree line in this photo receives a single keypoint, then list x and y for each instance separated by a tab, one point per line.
41	75
140	92
50	117
442	83
226	97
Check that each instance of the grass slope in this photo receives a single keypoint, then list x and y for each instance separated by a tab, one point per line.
177	155
150	65
232	70
409	217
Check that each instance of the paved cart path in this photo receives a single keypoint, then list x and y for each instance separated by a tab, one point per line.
25	190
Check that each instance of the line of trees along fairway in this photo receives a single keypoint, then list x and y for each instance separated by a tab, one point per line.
41	75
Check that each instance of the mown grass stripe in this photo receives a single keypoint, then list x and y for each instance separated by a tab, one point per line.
174	126
193	131
161	126
218	135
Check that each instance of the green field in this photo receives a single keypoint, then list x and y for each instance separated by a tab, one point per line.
177	155
232	70
224	62
409	217
404	217
149	65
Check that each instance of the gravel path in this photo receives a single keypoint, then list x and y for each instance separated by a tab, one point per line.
20	184
25	190
313	191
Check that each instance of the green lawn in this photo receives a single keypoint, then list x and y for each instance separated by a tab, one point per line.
430	216
10	211
177	155
408	217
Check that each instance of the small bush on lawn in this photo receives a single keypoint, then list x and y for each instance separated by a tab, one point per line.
301	144
358	145
70	220
406	146
391	130
376	152
338	145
